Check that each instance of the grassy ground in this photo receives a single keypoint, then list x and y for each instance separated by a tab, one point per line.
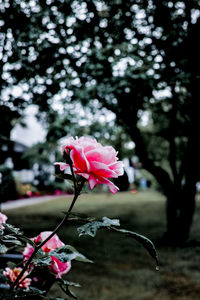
122	270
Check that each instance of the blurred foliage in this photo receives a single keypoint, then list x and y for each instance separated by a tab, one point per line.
129	57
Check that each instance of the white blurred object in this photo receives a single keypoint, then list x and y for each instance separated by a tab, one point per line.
24	175
129	170
198	186
33	132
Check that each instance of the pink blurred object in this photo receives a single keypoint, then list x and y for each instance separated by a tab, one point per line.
57	192
29	193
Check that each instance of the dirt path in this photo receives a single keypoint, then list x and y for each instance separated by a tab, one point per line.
26	202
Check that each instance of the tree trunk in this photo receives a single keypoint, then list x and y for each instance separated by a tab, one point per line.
180	210
180	204
187	209
172	217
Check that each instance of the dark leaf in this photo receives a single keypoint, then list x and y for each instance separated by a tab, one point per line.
24	239
64	176
69	293
69	283
35	291
65	287
82	217
147	244
2	277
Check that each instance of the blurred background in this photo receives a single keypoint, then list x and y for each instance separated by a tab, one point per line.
126	73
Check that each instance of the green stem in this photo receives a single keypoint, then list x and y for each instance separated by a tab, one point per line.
37	247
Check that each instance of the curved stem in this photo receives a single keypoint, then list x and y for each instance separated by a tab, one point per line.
37	247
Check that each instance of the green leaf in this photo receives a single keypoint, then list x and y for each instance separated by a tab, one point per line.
70	283
68	177
65	287
11	264
147	244
12	229
3	249
11	239
19	293
64	284
64	254
64	176
69	293
24	239
42	261
89	228
2	277
36	291
109	222
68	253
82	217
92	227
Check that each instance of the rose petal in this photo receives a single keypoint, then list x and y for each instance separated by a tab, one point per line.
59	268
101	155
101	170
62	165
113	188
117	167
92	182
51	244
79	159
28	250
85	175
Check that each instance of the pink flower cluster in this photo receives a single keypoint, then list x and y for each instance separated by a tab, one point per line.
12	274
96	163
57	267
3	219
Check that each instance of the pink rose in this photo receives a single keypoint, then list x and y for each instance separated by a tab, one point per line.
57	267
93	161
3	219
51	244
12	274
28	250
